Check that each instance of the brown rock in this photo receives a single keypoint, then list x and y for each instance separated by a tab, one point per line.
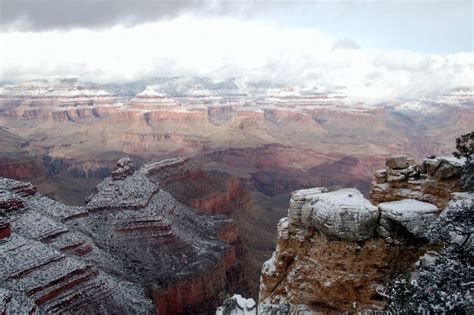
397	162
5	230
380	176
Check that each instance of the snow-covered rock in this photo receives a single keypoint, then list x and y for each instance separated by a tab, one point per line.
412	214
432	180
343	214
150	92
442	167
240	306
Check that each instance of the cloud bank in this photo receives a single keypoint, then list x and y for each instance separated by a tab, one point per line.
375	50
224	47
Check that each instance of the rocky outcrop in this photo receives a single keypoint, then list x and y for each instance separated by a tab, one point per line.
342	214
432	180
336	250
55	100
131	249
49	267
413	215
123	169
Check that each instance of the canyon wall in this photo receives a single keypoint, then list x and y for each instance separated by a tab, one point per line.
285	138
336	250
132	248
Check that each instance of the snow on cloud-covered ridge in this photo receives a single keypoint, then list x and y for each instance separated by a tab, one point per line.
222	47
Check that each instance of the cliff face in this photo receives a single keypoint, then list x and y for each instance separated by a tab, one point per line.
336	249
132	249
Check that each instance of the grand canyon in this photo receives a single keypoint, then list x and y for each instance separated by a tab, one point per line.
231	149
208	157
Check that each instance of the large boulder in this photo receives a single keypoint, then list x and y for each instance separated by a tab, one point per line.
442	167
342	214
397	162
413	215
450	167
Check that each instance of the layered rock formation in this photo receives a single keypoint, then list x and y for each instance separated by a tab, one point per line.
433	180
57	100
336	250
132	249
284	130
265	138
149	99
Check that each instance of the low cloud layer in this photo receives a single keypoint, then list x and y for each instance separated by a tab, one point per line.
224	47
375	50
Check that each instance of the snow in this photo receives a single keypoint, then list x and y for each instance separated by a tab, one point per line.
243	302
269	267
198	90
150	92
452	160
460	196
64	90
244	306
349	198
303	194
412	214
343	213
407	208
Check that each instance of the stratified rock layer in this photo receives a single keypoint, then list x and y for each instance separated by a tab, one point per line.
132	249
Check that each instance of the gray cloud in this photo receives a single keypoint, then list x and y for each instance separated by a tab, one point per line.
345	44
42	15
45	15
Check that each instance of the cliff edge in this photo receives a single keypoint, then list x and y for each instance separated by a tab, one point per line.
336	249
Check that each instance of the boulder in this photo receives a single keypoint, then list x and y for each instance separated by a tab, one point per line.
450	167
393	178
430	166
380	176
343	214
412	214
447	170
397	162
298	199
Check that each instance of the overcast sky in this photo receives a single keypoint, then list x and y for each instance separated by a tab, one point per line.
374	49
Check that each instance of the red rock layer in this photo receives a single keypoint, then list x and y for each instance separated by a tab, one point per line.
5	229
